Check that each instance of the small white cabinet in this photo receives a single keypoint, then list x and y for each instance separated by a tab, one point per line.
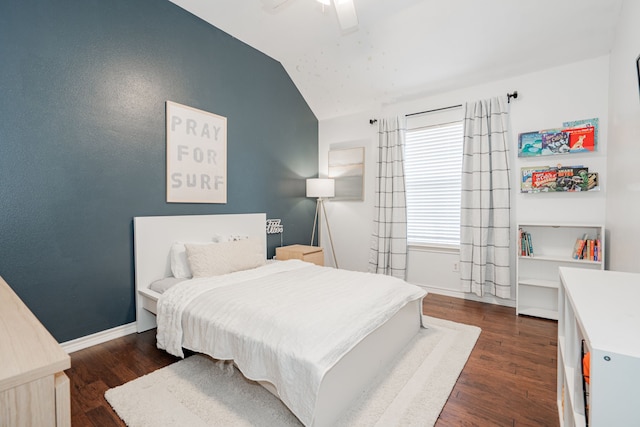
538	278
599	308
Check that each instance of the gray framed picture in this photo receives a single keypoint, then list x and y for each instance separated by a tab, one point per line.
346	167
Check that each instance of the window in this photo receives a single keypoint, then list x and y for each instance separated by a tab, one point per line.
433	169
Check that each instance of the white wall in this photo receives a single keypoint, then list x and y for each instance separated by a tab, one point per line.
546	99
623	196
350	222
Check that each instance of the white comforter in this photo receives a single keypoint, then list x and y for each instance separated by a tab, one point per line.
287	323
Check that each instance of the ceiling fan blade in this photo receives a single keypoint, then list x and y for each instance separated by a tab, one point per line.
347	17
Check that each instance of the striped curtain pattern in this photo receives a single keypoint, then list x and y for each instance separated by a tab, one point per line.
388	254
485	202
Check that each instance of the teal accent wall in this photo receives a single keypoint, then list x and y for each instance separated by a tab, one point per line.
82	145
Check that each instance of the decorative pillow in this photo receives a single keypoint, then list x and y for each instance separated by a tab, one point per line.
226	257
179	262
163	284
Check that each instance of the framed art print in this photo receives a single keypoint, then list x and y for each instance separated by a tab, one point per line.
346	167
196	155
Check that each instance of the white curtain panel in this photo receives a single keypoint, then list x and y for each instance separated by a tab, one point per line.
388	254
484	217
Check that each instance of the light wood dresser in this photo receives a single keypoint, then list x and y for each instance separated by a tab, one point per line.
313	254
34	390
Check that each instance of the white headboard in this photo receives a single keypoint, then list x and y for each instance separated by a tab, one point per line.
154	235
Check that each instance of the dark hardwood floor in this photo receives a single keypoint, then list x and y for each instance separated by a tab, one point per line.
509	379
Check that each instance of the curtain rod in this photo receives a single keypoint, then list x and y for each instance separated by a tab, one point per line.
372	121
513	95
434	110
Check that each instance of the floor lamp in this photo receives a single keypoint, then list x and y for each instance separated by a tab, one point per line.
321	188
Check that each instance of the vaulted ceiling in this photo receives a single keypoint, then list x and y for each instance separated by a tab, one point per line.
408	48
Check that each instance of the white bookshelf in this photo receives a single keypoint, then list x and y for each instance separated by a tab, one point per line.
538	277
599	308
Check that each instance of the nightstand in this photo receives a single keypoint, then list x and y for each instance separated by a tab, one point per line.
311	254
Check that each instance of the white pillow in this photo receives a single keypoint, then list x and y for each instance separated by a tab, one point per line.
179	262
226	257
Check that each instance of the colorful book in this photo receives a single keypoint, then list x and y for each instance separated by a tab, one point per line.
573	137
555	143
570	178
526	243
544	180
595	123
529	144
578	249
581	139
592	181
526	177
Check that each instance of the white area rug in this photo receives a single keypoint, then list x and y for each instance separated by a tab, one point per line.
198	391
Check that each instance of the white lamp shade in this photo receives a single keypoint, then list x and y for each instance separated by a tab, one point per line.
320	187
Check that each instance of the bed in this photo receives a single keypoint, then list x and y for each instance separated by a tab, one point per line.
346	376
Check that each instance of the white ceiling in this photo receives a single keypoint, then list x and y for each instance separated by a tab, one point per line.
409	48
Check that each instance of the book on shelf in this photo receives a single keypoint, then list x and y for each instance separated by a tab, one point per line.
577	124
555	142
571	178
592	180
536	179
526	243
527	177
520	242
587	249
529	144
577	136
578	249
544	180
581	139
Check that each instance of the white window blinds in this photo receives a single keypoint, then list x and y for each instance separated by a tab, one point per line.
433	166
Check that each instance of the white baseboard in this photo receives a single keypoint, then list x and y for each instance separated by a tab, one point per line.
470	296
98	337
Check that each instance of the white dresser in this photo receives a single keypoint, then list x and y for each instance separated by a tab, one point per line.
601	308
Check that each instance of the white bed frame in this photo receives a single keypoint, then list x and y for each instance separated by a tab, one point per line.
153	237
